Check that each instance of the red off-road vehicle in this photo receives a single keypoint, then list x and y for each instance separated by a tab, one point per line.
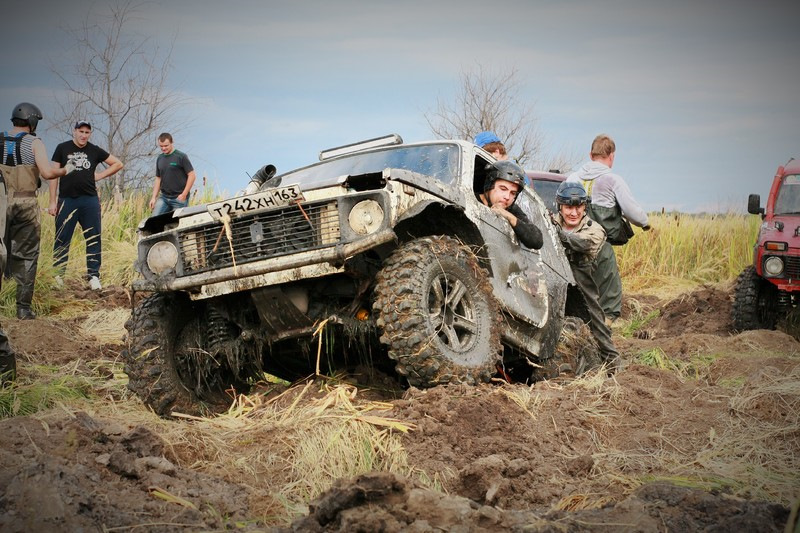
768	289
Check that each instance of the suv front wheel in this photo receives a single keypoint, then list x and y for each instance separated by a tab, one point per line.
755	302
168	359
439	318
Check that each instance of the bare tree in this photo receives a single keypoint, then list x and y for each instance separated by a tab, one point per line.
492	102
119	84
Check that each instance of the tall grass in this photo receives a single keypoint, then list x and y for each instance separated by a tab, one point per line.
688	249
119	252
120	221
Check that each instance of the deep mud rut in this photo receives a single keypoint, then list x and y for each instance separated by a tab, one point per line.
652	449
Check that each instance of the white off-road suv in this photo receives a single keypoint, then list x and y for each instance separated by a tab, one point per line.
380	253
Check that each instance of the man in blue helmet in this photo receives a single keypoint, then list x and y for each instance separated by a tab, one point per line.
582	238
504	180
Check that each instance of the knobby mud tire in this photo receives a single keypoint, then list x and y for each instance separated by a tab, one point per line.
755	302
438	315
156	329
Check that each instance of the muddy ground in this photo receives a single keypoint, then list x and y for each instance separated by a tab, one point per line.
699	432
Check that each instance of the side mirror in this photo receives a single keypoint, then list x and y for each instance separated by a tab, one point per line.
754	205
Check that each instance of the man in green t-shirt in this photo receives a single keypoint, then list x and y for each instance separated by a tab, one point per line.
174	178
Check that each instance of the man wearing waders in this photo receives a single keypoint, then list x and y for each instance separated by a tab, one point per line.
610	199
24	162
582	238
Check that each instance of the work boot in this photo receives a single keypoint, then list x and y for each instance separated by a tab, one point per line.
8	369
8	361
25	313
613	365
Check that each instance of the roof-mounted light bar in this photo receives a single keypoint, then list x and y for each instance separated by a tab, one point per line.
386	140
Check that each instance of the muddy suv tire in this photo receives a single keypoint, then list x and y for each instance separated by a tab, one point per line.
437	312
164	332
755	302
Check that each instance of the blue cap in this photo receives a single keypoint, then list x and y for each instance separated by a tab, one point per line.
486	137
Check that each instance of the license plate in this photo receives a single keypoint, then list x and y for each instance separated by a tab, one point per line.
268	199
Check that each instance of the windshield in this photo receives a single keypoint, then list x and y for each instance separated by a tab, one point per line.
441	161
788	200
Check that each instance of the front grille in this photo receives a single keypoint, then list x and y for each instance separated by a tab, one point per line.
259	236
792	267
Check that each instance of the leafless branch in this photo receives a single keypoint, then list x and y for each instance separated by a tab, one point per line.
119	83
489	101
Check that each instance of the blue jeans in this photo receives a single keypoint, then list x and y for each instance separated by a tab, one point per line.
165	204
83	210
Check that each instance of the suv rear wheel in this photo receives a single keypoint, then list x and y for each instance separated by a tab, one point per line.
755	302
438	314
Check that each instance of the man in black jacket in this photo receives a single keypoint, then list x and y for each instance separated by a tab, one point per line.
504	180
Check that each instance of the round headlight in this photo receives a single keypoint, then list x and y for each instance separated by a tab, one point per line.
161	257
366	217
773	266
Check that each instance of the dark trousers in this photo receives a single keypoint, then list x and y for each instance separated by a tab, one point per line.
22	241
597	324
83	210
8	361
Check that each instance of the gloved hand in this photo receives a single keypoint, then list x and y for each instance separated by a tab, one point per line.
574	241
69	167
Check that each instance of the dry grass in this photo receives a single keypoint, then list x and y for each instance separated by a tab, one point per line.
106	326
526	398
686	250
313	421
758	445
750	450
287	449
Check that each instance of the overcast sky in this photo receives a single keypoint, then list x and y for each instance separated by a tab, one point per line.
702	98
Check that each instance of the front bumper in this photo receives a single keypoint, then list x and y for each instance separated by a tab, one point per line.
334	258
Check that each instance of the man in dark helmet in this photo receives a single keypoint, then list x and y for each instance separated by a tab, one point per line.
504	180
24	161
582	238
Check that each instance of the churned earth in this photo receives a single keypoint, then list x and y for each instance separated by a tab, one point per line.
700	431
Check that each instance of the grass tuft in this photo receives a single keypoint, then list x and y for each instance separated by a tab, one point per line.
23	400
